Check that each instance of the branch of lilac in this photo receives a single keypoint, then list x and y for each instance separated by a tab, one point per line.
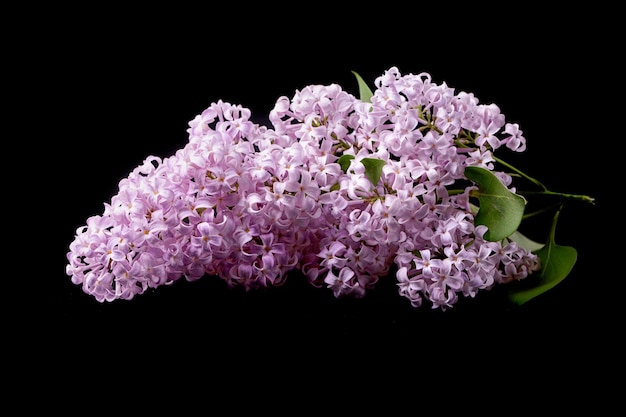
398	183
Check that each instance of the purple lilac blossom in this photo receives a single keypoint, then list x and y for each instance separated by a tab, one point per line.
249	204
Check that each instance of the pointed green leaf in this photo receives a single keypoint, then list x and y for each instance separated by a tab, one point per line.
556	264
344	162
373	169
500	209
365	94
525	243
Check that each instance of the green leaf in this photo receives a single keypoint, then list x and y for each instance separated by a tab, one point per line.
365	94
373	169
524	242
344	162
499	209
556	263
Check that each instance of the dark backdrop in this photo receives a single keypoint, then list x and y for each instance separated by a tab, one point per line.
124	87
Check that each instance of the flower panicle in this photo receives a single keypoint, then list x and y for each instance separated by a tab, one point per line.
342	189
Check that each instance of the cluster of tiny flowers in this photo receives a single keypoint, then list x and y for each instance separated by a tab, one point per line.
249	204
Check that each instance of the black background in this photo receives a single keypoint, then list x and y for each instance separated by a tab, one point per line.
111	88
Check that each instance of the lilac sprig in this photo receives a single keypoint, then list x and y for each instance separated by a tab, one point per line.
342	189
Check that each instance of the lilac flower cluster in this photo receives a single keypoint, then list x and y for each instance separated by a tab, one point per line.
250	203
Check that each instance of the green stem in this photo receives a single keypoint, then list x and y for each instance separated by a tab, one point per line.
519	172
579	197
544	189
543	210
